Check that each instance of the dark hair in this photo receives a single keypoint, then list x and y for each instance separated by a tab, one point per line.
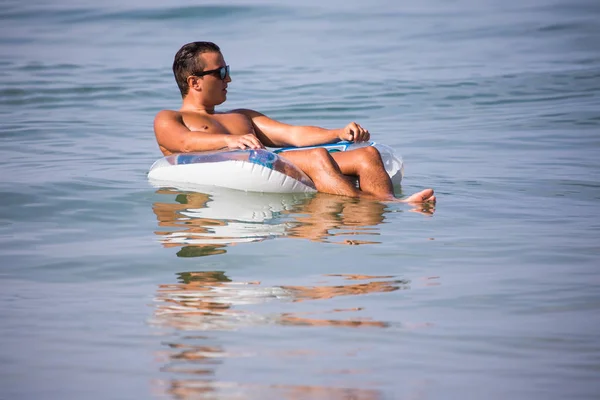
188	63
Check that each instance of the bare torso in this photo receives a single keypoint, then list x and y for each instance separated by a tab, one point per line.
230	123
227	122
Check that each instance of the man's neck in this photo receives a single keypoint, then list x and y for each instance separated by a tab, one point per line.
197	107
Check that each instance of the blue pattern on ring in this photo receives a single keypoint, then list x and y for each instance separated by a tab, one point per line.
262	157
187	159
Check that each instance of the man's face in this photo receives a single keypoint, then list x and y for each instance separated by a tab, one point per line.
214	89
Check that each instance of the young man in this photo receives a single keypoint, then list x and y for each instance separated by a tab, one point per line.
202	76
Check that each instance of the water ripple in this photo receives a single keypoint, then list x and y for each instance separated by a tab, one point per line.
87	15
494	104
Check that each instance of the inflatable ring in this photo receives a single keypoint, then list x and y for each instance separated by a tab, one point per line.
251	170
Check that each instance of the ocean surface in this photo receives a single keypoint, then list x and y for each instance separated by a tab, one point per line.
111	288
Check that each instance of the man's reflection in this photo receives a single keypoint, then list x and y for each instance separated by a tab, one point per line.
187	389
325	217
203	224
172	215
208	302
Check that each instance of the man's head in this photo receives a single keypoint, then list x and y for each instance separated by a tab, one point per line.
192	62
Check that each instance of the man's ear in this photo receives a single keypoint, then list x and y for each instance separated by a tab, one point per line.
194	82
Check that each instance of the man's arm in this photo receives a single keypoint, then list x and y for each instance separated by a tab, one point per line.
174	137
277	134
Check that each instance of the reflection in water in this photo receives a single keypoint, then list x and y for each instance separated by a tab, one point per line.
209	302
205	224
203	305
325	217
206	300
205	389
328	292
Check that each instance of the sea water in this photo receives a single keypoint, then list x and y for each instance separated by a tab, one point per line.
114	289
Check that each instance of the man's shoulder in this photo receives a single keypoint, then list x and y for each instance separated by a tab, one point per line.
164	116
167	114
178	115
246	111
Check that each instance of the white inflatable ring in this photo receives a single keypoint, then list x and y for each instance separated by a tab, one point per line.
251	170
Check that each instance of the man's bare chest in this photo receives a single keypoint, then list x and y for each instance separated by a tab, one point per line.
231	123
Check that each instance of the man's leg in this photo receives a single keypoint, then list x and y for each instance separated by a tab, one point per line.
365	163
323	170
328	172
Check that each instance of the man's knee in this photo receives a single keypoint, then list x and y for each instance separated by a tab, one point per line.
369	156
371	152
320	158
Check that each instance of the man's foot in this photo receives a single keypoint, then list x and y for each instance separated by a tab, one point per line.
424	196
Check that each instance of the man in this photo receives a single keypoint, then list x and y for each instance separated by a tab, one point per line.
202	76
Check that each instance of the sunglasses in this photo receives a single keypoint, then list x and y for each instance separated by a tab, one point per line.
223	72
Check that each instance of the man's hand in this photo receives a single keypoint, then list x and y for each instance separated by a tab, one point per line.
248	141
353	132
